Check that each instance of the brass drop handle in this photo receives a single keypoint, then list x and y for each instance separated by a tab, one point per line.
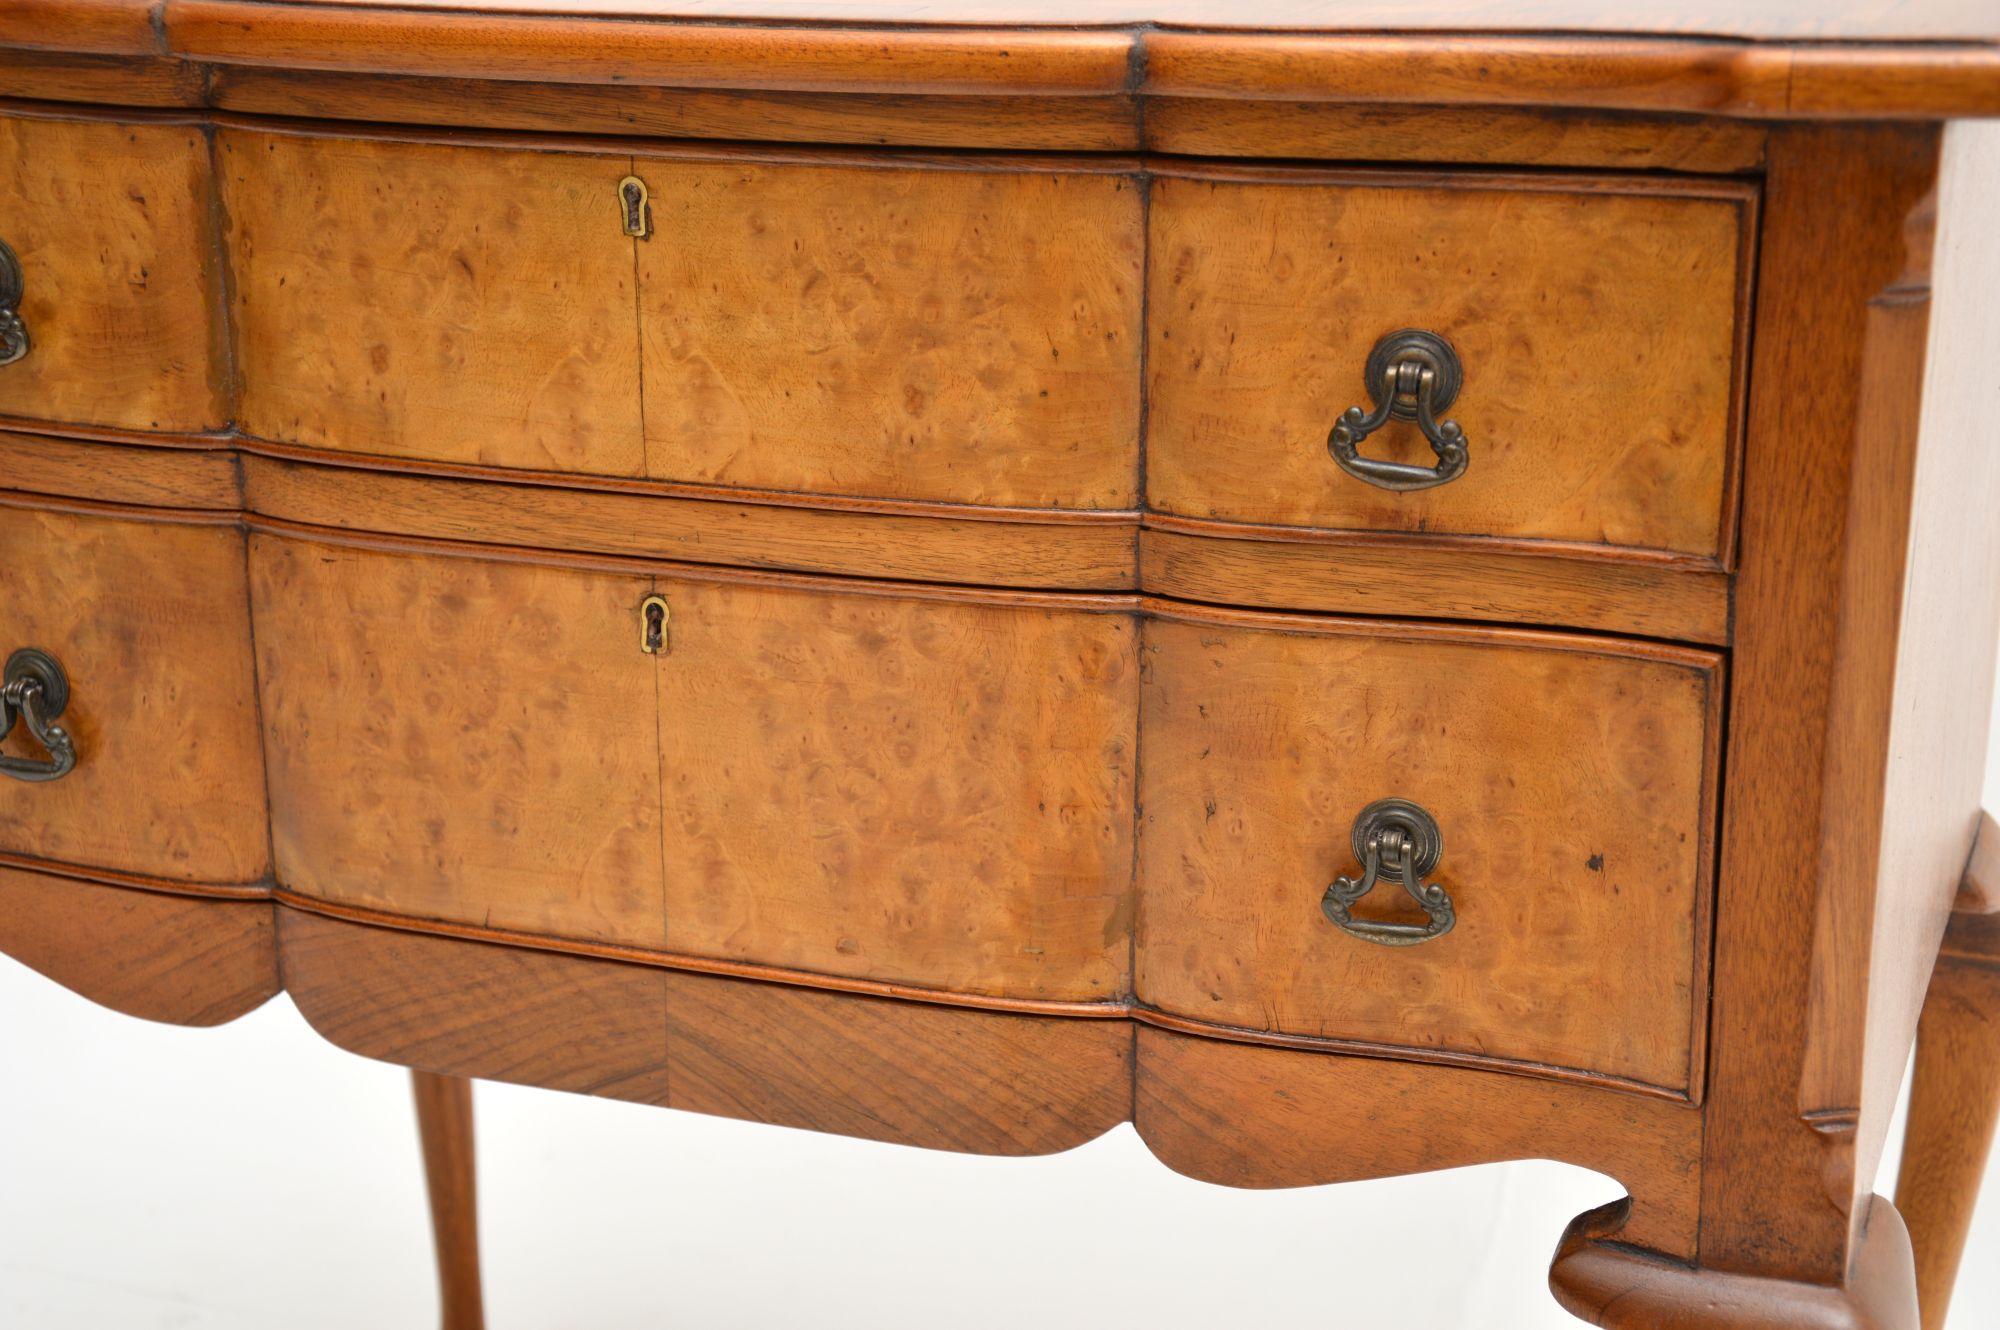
1394	836
1411	375
13	285
34	689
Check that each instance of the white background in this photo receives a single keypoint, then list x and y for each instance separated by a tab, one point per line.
253	1177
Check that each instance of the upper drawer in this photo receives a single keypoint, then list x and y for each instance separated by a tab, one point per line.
149	624
109	228
847	326
1597	325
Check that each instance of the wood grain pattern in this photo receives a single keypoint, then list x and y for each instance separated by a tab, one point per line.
111	27
1947	618
1417	577
1778	1178
1845	980
887	1071
1508	136
444	1124
433	301
1080	124
478	416
1543	68
1954	1106
285	487
729	969
1265	1117
836	59
1204	126
923	334
927	792
957	544
932	792
1895	84
982	1082
61	76
149	619
179	959
1856	21
1768	61
110	221
147	477
1641	73
476	741
955	1080
1572	779
865	330
1590	418
1607	1280
152	477
475	1010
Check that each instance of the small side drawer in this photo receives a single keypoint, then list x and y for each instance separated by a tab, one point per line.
1594	324
1571	781
149	623
113	279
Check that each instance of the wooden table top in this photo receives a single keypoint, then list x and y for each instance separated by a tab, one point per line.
1752	20
1764	58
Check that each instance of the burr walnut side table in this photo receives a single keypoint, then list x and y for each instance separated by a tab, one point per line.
1367	588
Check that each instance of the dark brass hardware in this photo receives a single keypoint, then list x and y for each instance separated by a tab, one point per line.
635	207
34	688
1411	375
13	285
653	617
1395	836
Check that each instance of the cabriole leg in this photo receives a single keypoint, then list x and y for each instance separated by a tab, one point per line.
444	1123
1954	1100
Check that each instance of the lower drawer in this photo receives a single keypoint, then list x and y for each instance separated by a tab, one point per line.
1571	782
846	778
901	785
148	620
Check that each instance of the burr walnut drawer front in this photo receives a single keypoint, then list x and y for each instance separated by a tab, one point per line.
1541	357
840	324
107	274
843	778
1553	803
128	730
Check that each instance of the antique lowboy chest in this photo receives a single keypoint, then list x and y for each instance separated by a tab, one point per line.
1366	588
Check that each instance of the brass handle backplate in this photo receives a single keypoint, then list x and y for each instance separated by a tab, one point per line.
34	690
1411	375
1393	836
13	285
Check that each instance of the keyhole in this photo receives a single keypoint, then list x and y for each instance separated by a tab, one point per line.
653	625
633	200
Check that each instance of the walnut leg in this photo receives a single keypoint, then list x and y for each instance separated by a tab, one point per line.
444	1123
1954	1100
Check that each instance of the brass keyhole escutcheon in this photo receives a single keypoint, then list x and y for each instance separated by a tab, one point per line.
635	207
653	617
